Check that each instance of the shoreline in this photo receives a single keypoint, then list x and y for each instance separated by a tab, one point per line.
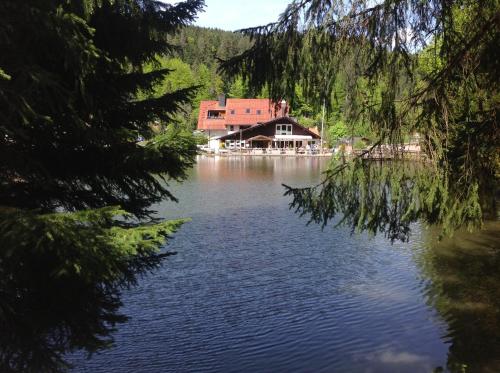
415	156
236	154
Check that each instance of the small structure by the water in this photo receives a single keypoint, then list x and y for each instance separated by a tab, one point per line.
282	133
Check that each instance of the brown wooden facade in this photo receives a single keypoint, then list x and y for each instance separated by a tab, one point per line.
283	132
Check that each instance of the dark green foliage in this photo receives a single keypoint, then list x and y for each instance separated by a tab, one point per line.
202	49
61	276
70	118
387	198
68	112
204	46
371	55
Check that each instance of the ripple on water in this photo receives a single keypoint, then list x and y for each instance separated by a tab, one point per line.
253	288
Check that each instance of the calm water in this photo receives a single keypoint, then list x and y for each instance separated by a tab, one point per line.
253	289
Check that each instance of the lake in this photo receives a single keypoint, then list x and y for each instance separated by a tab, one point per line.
254	289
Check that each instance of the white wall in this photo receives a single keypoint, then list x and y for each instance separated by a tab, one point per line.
213	143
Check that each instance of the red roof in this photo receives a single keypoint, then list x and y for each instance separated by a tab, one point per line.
210	124
238	111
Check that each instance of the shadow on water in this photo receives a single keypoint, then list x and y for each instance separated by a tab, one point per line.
463	285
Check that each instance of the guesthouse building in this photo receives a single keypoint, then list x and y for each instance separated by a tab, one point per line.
226	116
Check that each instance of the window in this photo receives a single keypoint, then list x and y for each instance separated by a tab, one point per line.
283	129
231	128
247	111
259	112
232	112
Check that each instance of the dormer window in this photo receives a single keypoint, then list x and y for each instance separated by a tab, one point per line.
283	129
215	114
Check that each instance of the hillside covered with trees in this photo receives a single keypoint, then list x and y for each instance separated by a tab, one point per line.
196	62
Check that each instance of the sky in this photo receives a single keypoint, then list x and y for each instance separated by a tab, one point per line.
232	15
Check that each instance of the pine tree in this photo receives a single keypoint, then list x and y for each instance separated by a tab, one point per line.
76	185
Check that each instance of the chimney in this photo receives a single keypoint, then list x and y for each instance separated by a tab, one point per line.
283	108
222	100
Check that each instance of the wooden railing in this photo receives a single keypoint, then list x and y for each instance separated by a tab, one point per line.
273	151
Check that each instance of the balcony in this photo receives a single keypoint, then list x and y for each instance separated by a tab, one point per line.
212	114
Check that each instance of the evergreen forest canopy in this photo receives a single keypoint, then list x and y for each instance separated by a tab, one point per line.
193	62
406	66
78	89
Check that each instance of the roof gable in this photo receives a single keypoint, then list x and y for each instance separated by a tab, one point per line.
260	128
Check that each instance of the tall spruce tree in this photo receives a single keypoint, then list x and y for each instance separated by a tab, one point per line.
76	185
408	66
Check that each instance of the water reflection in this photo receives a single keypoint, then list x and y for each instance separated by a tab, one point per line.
216	184
259	168
463	284
254	289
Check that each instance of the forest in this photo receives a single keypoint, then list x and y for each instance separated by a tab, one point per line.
82	81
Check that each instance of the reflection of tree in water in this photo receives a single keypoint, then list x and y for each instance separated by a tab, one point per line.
464	287
464	281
